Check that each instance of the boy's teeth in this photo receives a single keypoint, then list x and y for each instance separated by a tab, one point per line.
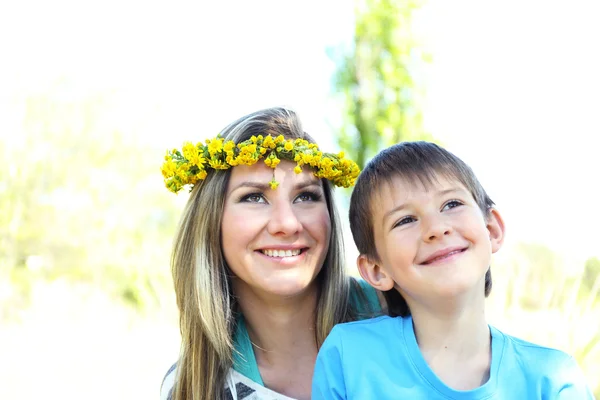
281	253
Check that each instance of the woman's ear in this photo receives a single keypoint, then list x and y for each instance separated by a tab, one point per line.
374	274
495	226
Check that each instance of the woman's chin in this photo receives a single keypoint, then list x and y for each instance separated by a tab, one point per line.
287	285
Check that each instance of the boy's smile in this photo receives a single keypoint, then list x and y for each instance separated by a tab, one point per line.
432	240
441	256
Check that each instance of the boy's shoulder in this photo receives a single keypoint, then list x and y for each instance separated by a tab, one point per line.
528	349
552	370
534	359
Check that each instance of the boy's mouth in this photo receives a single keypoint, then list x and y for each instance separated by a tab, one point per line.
442	254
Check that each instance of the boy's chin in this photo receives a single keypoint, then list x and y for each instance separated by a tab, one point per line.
459	291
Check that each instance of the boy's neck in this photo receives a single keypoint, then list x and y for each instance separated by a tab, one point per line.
463	332
455	337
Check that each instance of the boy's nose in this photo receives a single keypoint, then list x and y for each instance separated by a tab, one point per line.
435	228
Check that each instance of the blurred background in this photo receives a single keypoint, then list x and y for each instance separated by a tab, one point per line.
92	93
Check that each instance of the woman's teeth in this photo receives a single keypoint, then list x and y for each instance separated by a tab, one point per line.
281	253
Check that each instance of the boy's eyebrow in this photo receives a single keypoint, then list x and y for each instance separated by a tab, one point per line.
403	205
446	191
392	211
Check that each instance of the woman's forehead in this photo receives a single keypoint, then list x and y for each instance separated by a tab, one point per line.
283	173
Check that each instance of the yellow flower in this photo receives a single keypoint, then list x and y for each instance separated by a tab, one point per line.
169	168
217	164
274	161
268	142
182	176
189	150
279	139
326	162
188	166
214	146
172	185
231	161
229	146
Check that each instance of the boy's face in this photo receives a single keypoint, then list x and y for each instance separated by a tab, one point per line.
432	242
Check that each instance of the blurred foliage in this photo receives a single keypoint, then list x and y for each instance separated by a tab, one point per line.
78	199
377	79
549	302
591	275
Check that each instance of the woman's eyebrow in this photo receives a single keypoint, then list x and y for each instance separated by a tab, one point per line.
252	184
307	183
265	186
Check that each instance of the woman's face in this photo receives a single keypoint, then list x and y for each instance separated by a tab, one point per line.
275	240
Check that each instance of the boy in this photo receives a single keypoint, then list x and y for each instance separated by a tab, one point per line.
426	229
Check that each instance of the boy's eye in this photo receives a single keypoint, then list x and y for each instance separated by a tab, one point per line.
308	196
404	221
451	204
253	198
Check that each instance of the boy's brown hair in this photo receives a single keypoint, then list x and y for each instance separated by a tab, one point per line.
415	162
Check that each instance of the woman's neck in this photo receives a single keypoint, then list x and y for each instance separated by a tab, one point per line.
282	331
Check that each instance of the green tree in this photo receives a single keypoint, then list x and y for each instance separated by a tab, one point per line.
377	79
81	198
591	273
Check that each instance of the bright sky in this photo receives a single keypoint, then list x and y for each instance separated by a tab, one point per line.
512	89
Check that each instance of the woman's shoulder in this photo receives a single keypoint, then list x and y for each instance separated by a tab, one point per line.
364	298
237	386
168	381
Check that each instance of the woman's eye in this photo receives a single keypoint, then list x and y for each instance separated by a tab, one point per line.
308	196
452	204
404	221
253	198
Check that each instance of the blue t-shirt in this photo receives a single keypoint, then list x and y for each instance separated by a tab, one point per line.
380	359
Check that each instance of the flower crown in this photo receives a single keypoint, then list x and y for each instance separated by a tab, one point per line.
190	165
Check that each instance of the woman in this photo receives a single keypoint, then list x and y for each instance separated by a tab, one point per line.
258	261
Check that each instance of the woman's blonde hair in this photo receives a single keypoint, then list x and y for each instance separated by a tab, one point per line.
202	280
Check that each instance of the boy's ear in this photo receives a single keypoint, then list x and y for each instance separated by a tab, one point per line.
495	226
372	272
